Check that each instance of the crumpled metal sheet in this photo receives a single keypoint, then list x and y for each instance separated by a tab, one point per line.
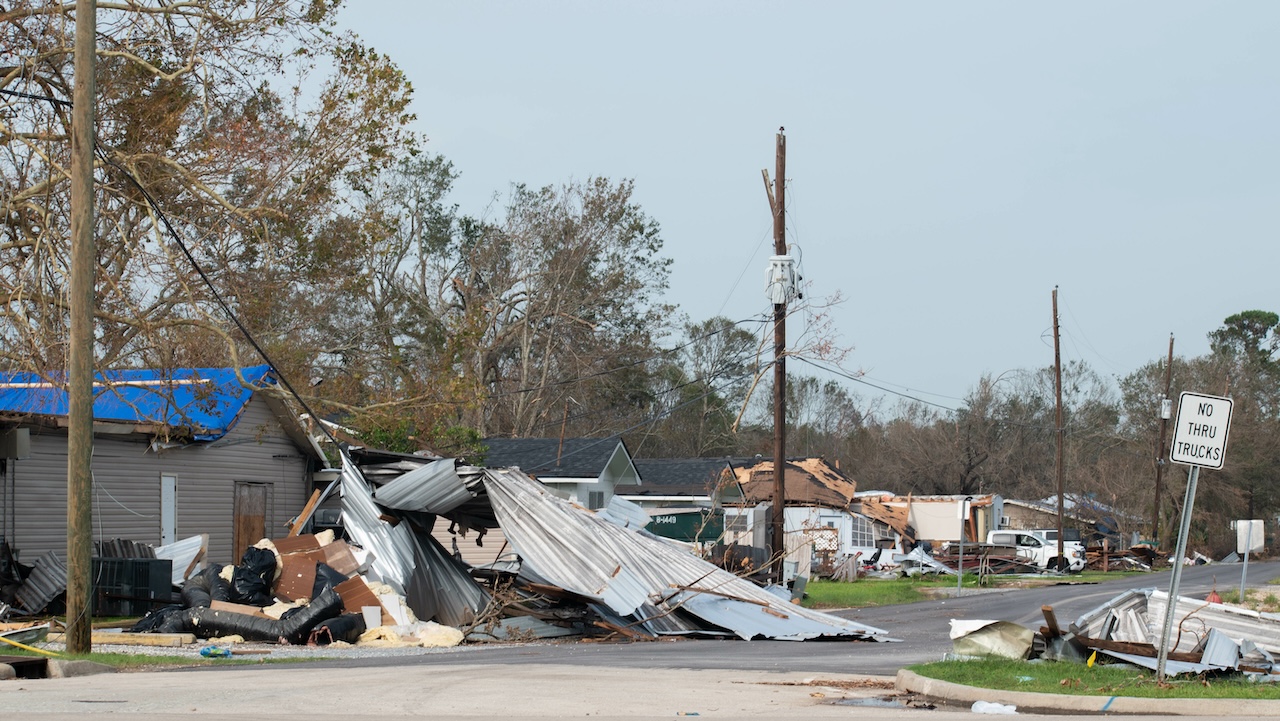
1241	624
991	638
1171	667
625	514
433	585
392	546
434	487
578	551
48	579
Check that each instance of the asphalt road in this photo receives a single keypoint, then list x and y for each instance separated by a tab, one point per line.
921	627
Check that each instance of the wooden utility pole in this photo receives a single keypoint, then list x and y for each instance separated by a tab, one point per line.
1161	450
81	302
1061	431
777	544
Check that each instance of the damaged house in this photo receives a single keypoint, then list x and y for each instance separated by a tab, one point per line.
176	453
820	521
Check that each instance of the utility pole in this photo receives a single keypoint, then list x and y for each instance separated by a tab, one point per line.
1166	406
1061	432
777	544
81	302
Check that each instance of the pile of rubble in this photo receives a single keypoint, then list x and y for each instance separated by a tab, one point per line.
1208	637
570	572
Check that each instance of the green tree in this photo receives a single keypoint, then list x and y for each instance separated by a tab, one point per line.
251	124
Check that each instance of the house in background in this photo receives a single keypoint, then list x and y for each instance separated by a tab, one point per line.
936	519
586	471
175	454
819	519
689	499
1093	519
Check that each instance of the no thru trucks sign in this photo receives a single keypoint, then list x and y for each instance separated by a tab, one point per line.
1200	436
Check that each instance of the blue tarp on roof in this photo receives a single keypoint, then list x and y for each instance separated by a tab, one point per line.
205	400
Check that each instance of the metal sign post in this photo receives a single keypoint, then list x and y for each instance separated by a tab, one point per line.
1199	439
1249	537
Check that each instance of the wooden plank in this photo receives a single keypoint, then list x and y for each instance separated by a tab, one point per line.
133	639
299	522
237	608
1051	622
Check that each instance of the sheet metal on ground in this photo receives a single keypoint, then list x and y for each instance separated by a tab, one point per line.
574	549
433	585
1225	637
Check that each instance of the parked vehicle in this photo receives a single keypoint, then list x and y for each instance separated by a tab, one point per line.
1040	552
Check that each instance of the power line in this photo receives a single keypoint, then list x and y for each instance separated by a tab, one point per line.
856	379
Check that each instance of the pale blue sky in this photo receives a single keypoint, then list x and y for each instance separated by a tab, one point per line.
948	162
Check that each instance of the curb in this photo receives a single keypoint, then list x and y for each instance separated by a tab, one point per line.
954	692
73	668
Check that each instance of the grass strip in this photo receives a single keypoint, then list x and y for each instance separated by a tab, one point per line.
1099	680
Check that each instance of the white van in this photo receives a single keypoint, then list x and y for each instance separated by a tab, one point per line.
1041	553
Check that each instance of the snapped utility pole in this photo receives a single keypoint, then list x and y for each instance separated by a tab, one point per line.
81	302
777	201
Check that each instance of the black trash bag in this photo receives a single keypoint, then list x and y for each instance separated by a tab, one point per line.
208	623
346	627
155	619
326	577
251	582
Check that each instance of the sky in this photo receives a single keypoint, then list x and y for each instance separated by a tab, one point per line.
948	164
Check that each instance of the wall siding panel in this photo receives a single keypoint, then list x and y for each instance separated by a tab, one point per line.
126	494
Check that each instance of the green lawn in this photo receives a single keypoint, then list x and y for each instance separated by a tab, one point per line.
1079	679
869	592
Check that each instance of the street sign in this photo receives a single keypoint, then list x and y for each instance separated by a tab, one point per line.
1200	434
1250	536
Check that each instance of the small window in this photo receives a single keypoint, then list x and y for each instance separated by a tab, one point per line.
736	523
595	500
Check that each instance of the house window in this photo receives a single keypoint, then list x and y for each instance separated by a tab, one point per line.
595	499
863	533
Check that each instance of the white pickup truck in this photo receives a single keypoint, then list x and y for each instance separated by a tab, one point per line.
1039	552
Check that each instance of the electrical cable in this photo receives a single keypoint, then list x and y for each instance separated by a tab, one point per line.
641	424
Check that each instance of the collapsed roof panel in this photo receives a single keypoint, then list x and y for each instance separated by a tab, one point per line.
574	549
433	585
434	487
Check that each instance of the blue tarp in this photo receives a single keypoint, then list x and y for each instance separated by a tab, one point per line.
206	401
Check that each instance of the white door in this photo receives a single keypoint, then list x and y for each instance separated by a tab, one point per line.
168	509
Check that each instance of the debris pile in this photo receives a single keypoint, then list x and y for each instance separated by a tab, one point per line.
1207	637
383	579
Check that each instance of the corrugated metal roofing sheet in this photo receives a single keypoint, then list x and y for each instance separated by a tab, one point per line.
433	585
1239	623
625	514
578	551
434	487
48	578
206	400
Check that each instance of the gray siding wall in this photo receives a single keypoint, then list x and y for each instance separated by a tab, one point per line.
126	486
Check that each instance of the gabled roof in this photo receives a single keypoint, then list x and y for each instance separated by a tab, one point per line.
547	458
685	476
807	481
204	401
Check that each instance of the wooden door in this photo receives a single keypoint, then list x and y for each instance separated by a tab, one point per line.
250	517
